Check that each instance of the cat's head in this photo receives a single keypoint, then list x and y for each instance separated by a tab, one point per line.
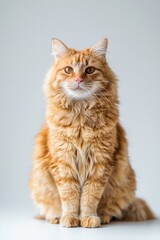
79	74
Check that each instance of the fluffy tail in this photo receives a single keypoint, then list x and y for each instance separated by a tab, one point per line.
138	211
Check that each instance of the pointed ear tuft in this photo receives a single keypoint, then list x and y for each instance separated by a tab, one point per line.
100	47
58	48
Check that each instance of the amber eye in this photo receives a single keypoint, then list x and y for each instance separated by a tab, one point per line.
68	70
90	70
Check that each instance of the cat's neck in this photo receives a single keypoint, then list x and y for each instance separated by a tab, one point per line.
91	113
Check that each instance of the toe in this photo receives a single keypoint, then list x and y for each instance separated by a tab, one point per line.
90	222
69	221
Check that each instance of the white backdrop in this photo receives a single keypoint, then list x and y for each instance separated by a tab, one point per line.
27	27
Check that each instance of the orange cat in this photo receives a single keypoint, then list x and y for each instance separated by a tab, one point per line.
81	173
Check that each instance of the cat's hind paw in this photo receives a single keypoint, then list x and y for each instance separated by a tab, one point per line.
105	219
90	222
54	220
69	221
40	217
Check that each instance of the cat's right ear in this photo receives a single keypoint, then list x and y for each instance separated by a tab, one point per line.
58	48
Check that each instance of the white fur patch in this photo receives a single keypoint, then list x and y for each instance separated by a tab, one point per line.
79	93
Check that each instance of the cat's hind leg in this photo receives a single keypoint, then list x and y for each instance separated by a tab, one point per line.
46	196
42	185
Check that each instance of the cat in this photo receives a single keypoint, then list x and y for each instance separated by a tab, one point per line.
81	173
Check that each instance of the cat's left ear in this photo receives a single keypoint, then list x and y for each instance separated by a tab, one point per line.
58	48
100	47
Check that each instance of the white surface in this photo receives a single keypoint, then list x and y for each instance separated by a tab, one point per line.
22	226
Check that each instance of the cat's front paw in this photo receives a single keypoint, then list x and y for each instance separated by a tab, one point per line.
90	222
69	221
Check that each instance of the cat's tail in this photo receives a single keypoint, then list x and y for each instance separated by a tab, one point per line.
138	211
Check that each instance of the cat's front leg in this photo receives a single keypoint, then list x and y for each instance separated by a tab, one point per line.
91	194
69	191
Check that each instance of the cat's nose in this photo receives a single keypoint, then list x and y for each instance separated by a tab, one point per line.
79	80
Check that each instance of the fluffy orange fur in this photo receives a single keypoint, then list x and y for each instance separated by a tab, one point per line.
81	172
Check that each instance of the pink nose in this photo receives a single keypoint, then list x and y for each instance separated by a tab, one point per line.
79	80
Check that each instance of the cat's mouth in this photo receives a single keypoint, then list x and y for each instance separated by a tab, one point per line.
79	91
78	88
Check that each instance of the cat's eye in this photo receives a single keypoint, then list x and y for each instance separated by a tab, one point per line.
68	70
90	70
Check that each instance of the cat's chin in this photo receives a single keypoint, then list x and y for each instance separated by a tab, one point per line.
79	93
